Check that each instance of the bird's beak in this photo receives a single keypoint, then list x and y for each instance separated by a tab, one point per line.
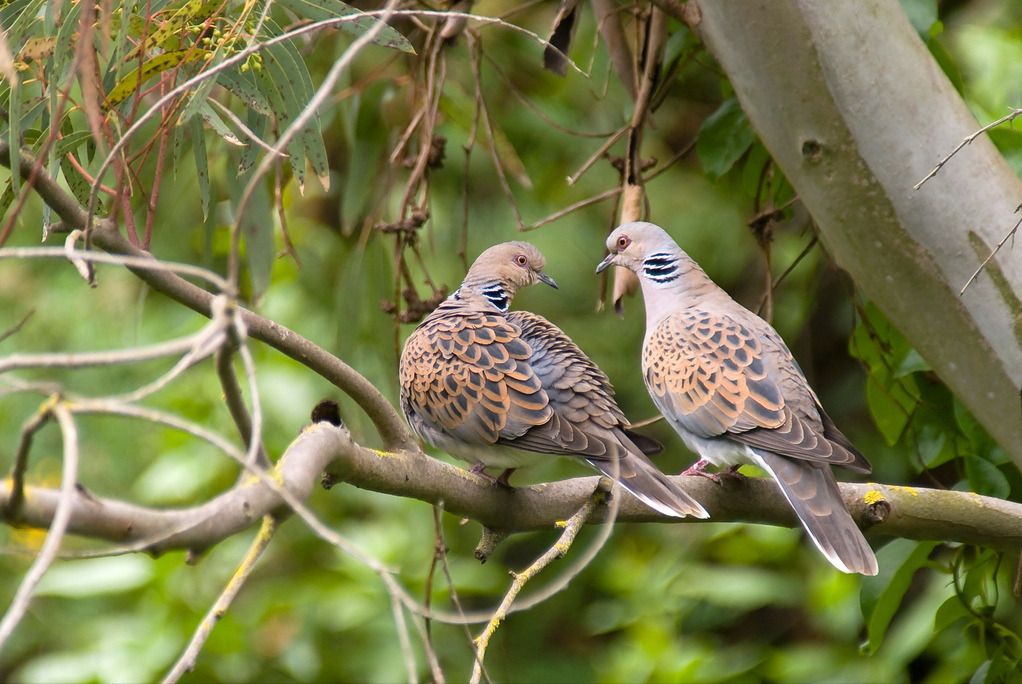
543	277
611	259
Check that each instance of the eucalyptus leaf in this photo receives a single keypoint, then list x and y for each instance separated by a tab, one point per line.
724	137
881	595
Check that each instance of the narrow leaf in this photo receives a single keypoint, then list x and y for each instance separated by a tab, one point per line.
150	68
201	163
318	10
881	595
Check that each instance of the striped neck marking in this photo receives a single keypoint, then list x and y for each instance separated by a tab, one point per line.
497	296
661	268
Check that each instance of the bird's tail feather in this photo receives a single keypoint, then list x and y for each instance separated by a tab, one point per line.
643	479
813	492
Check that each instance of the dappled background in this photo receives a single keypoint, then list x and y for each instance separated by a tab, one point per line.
707	602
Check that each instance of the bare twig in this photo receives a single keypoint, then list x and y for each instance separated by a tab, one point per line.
186	662
996	249
606	194
968	140
558	550
59	524
13	330
484	115
236	402
598	154
28	430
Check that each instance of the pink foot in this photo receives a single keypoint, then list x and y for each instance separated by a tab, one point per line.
699	468
504	477
501	479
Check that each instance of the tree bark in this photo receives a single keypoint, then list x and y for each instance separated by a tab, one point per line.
881	510
851	105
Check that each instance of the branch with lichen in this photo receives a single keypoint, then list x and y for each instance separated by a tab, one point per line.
881	510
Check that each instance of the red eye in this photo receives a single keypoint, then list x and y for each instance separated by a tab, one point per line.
522	260
623	242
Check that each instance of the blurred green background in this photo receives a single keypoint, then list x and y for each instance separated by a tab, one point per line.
710	603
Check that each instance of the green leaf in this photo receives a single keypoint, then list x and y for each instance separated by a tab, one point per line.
911	362
278	84
201	163
151	67
256	226
947	64
949	612
723	138
259	125
881	595
6	198
197	99
930	443
311	134
971	428
318	10
985	478
243	86
891	403
218	125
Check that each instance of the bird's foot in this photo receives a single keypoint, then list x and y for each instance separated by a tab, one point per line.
502	479
699	468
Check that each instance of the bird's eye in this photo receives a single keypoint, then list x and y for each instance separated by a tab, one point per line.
522	260
623	242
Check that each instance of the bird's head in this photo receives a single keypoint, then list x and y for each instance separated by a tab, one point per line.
647	250
503	269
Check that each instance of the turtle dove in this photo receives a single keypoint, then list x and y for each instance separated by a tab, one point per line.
730	387
507	390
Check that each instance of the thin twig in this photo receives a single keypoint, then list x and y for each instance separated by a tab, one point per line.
484	114
17	326
510	86
558	550
606	194
255	441
186	662
598	154
968	140
403	639
133	262
236	401
28	430
61	518
994	252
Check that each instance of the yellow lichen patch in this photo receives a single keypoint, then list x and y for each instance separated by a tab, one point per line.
561	523
873	496
911	490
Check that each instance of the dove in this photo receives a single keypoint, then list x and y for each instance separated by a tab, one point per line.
510	389
728	385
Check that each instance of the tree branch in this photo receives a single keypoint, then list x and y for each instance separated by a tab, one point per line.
874	109
912	513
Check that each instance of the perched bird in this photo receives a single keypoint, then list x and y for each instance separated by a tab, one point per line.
506	390
728	384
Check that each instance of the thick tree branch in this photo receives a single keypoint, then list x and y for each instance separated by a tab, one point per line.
855	110
391	427
912	513
197	528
